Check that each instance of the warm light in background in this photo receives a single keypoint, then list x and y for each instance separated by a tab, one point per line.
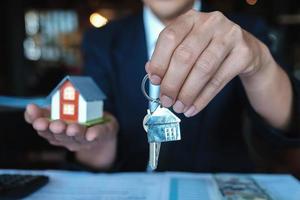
98	20
251	2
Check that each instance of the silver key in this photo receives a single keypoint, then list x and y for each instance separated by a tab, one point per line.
154	149
161	126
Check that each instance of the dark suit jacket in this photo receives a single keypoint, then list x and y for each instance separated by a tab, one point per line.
115	57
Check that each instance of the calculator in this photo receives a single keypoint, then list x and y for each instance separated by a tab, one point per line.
17	186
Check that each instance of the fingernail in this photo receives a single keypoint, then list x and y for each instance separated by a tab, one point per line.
190	112
178	107
166	101
71	133
147	67
90	137
155	79
185	109
29	110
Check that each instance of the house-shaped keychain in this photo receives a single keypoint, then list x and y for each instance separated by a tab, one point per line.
77	99
162	126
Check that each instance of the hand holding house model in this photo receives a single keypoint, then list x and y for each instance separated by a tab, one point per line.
77	99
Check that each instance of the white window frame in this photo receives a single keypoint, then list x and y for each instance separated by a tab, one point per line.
170	133
69	93
68	109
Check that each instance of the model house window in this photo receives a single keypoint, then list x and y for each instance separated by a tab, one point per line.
69	109
170	133
69	93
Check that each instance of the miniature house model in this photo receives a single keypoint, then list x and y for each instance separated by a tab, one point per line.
162	126
77	99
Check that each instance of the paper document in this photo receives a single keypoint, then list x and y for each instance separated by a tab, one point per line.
65	185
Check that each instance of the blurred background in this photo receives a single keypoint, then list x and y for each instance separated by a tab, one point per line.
40	44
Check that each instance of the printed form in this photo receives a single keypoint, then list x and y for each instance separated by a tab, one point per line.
67	185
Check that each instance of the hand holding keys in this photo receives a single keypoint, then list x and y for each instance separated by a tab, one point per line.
161	125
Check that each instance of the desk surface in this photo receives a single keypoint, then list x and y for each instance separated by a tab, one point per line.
66	185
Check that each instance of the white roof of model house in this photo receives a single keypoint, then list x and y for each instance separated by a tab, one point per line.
162	116
85	86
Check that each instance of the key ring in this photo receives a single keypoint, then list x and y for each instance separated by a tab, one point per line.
146	77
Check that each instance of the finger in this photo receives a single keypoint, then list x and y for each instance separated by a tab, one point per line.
27	118
75	129
204	68
49	137
228	70
182	61
77	133
73	147
167	41
58	128
55	143
46	134
60	134
33	112
96	132
41	124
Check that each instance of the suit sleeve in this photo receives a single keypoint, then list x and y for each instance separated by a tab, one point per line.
275	137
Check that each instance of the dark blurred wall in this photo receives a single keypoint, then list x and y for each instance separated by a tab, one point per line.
3	69
12	35
22	77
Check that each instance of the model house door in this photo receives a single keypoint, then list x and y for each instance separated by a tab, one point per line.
68	102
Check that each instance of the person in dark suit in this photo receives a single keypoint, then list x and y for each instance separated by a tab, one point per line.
210	71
